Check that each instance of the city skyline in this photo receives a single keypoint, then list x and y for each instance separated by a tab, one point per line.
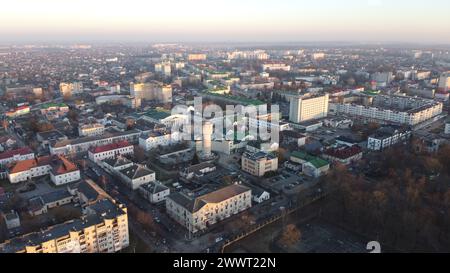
226	21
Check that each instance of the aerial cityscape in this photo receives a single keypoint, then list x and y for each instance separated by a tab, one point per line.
168	140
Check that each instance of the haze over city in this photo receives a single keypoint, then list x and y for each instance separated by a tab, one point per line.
225	21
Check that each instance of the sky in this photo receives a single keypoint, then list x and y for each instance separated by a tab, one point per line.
415	21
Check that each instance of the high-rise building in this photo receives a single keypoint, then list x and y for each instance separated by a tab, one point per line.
152	91
444	81
197	57
68	89
308	107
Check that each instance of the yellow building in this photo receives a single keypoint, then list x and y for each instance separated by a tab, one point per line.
199	213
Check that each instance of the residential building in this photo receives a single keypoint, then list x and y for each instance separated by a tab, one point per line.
16	155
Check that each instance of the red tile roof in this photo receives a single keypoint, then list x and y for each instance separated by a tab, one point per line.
63	165
344	153
59	164
109	147
20	151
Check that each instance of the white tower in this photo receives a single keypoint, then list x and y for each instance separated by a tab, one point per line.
207	136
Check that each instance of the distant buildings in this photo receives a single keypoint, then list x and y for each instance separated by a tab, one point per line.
18	111
388	136
258	164
311	165
61	170
308	107
199	213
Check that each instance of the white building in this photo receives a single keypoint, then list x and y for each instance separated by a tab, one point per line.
273	66
154	139
420	110
110	151
387	136
199	213
308	107
197	170
16	155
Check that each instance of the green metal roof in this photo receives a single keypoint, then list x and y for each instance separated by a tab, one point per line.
315	161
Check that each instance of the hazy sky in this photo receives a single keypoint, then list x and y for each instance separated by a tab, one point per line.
226	20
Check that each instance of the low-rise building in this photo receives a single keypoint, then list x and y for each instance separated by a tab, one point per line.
110	151
16	155
61	170
116	164
344	154
199	213
387	136
258	164
197	170
154	192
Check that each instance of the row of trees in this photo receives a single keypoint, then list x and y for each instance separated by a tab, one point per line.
407	208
